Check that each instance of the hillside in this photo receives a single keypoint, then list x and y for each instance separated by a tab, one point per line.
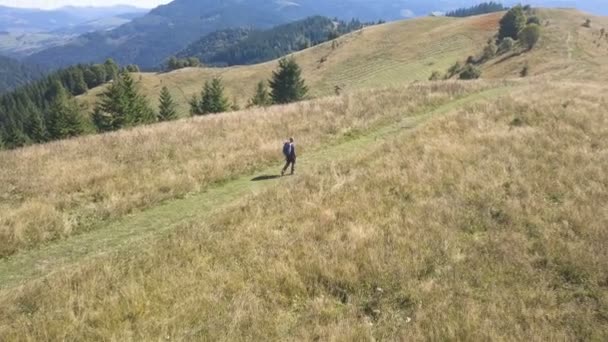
483	192
168	29
14	74
420	210
406	51
246	46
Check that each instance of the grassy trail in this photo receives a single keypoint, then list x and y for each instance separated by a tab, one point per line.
137	228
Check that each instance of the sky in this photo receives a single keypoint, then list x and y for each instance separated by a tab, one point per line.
49	4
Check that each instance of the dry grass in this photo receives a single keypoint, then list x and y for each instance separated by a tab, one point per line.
402	52
59	189
486	224
384	55
566	50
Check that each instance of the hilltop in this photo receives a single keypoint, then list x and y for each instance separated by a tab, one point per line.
408	51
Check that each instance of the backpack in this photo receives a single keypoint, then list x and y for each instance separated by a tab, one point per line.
287	149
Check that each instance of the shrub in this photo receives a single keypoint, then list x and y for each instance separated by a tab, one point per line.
587	23
529	36
533	20
490	50
506	45
454	69
435	76
470	72
525	71
512	23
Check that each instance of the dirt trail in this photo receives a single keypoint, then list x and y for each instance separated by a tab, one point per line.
137	228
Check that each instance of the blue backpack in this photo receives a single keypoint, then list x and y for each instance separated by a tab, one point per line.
287	149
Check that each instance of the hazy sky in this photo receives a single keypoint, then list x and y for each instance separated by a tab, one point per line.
47	4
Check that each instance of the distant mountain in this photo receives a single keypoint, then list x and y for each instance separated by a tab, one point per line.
95	13
36	20
14	74
149	40
206	48
103	24
168	29
246	46
19	45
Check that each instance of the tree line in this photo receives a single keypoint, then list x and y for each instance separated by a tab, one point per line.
14	74
286	86
245	46
33	113
47	110
483	8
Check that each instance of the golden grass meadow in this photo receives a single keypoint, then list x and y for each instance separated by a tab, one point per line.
486	223
449	210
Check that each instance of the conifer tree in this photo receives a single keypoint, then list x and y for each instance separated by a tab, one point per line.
287	84
35	128
213	99
167	109
111	69
195	105
121	105
64	119
77	84
15	136
261	97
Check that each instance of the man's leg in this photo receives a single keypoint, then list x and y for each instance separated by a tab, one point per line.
293	166
285	168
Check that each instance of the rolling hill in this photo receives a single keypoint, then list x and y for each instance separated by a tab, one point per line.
148	41
444	210
407	51
247	46
180	23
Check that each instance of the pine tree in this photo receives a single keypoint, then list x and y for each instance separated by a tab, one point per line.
195	105
64	119
121	106
36	129
167	109
78	84
287	84
137	108
261	97
111	69
213	100
15	136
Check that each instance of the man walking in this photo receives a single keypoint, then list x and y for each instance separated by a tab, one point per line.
289	150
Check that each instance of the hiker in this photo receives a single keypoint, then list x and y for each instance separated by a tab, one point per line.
289	150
